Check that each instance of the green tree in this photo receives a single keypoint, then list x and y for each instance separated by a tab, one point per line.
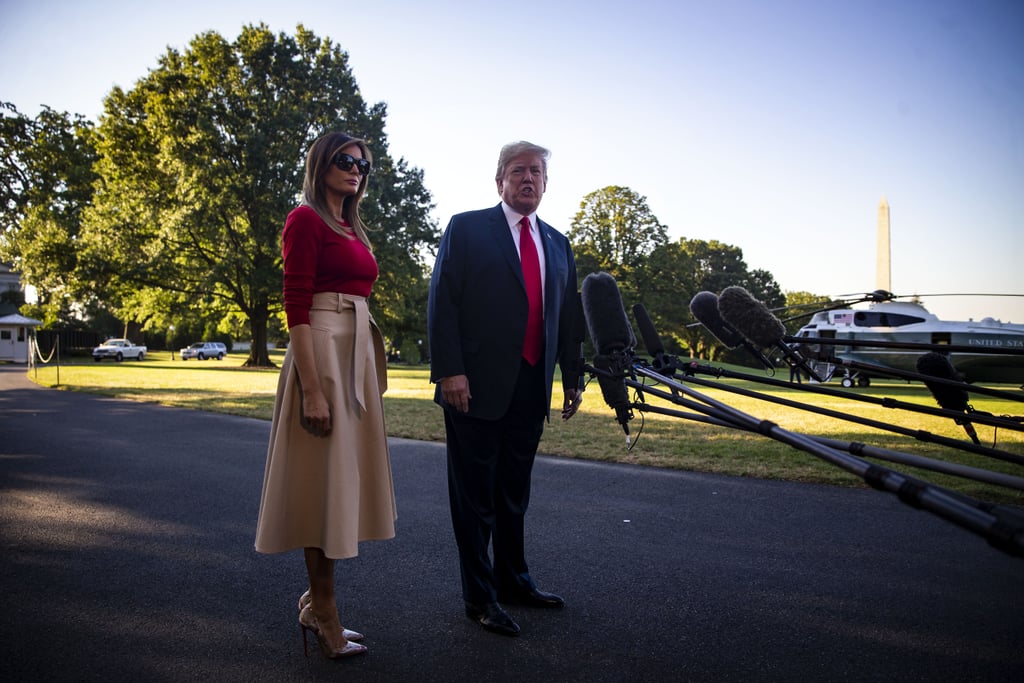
799	307
46	183
716	266
664	285
614	231
202	160
402	236
762	285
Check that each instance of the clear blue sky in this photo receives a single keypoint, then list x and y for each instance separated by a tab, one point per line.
776	127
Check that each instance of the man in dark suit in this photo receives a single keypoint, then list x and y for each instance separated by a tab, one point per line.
502	311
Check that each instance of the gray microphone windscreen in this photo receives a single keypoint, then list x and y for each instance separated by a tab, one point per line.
750	317
704	307
609	327
934	364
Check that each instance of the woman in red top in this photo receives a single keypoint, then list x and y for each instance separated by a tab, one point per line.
328	483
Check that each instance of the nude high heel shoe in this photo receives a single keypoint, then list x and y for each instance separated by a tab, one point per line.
305	601
308	622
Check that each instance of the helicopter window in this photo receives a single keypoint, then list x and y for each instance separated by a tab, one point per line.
825	351
882	319
941	338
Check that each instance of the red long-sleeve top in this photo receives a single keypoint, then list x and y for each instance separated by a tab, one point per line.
318	259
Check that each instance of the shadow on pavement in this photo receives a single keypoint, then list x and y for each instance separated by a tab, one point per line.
127	534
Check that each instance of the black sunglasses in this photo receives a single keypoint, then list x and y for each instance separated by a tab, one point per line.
346	161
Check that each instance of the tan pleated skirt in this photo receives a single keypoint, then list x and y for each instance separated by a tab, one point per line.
331	492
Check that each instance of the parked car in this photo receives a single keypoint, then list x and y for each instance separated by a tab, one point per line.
118	349
204	350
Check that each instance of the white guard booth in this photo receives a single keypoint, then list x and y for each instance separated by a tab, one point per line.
15	331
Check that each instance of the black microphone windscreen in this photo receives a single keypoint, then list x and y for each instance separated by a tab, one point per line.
579	322
750	317
572	374
704	307
652	341
613	340
606	317
936	365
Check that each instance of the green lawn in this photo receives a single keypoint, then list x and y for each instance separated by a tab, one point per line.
664	441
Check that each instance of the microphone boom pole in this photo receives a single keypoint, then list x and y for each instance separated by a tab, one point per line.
912	346
919	434
914	492
693	367
865	450
906	374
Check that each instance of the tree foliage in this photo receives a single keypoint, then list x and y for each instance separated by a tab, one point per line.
46	183
716	266
664	285
799	307
614	231
201	162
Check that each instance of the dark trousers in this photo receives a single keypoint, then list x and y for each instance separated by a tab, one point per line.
489	467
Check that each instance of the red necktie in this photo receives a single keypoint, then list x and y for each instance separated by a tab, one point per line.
533	340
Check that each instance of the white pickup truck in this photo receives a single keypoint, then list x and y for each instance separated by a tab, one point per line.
118	349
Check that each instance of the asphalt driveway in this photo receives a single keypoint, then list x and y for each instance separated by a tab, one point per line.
127	555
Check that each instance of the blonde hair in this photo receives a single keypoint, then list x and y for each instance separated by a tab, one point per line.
318	163
514	149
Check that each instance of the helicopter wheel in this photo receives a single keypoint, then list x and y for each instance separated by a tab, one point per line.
847	382
863	381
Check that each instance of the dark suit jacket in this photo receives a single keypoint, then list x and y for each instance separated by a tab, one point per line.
476	315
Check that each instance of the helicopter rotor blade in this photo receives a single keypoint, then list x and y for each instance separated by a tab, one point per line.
960	294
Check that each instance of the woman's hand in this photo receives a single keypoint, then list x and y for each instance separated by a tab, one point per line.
316	413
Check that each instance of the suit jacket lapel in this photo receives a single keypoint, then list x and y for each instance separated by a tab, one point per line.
503	238
549	253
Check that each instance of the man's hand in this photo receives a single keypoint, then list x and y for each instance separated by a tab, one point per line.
455	391
573	399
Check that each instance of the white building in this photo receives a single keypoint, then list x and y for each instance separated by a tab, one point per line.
15	329
9	280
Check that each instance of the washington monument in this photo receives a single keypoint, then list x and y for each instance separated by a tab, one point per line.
883	270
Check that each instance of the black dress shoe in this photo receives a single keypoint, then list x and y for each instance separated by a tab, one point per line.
532	597
493	618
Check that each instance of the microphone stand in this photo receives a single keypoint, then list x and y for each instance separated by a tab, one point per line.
911	346
865	450
688	368
794	359
964	419
918	434
906	374
960	510
611	368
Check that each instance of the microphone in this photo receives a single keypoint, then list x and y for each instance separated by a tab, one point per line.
613	342
579	334
704	307
579	322
755	322
934	364
652	341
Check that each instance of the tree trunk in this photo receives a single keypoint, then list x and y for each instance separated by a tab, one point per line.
258	355
133	332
